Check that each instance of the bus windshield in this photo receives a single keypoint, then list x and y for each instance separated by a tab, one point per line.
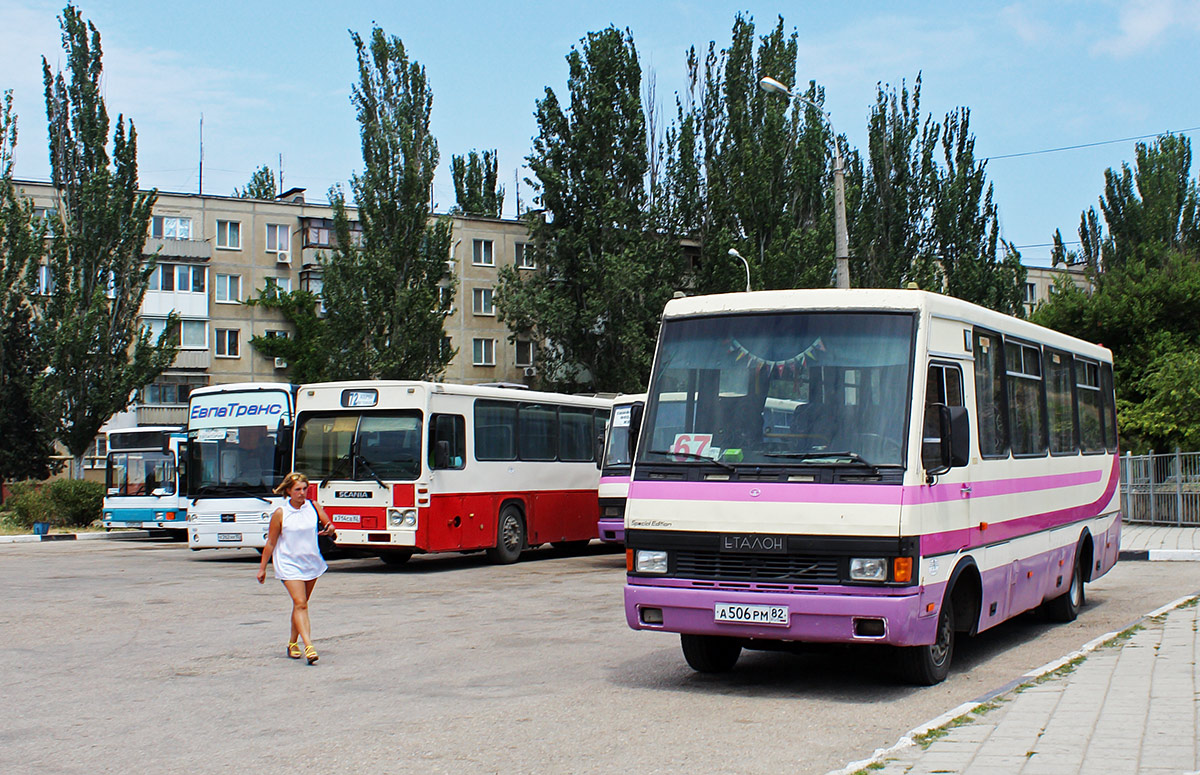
141	473
776	389
230	461
386	445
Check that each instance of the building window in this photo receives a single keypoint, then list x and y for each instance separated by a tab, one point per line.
277	285
1030	293
229	235
523	259
278	237
524	353
481	302
484	352
171	391
45	281
447	347
481	253
446	299
162	278
97	453
318	233
276	334
170	227
227	343
229	288
188	279
188	335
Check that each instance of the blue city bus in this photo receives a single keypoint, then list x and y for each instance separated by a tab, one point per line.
143	479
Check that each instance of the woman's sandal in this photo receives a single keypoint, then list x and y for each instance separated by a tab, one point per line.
311	655
293	650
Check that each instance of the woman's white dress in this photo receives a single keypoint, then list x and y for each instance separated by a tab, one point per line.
296	556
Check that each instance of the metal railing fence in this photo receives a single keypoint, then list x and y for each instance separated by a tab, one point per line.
1161	489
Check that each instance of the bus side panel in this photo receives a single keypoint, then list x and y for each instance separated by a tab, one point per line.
546	519
441	527
479	512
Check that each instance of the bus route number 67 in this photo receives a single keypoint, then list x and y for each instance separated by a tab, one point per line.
692	444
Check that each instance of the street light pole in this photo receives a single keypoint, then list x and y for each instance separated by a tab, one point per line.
733	252
841	241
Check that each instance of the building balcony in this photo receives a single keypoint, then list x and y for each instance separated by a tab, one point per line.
192	359
178	248
162	414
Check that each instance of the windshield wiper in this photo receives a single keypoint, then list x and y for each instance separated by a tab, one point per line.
692	456
227	489
853	457
362	461
344	459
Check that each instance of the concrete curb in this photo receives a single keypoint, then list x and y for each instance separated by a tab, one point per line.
124	535
967	707
1161	555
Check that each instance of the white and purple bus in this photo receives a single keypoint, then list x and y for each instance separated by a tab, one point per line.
620	443
945	468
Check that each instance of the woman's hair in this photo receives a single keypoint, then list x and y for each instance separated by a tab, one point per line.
289	482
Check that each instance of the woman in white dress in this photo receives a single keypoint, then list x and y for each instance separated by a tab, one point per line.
292	548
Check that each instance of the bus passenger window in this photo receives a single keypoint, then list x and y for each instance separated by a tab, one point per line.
447	441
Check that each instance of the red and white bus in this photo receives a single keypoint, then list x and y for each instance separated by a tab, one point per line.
404	467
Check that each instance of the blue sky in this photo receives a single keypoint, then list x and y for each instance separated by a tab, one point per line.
273	78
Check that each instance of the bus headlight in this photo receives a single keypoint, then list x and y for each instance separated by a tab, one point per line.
650	561
868	569
398	518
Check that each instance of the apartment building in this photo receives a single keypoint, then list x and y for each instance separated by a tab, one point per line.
1039	283
214	252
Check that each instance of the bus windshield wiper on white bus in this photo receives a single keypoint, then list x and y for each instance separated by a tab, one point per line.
217	490
853	457
343	460
362	461
692	456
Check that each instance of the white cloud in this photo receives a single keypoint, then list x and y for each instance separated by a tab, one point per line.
1021	21
1144	23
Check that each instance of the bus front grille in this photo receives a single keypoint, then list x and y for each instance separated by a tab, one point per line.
787	568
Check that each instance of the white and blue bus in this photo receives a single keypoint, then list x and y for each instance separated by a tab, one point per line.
143	479
942	469
239	448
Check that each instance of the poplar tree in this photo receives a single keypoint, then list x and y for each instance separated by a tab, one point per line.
26	449
260	186
603	274
98	351
384	292
475	188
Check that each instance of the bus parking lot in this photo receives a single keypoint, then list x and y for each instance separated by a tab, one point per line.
143	656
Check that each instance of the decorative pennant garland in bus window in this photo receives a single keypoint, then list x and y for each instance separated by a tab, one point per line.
759	365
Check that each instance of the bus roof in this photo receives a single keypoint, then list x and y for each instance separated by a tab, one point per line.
476	391
235	387
147	429
863	299
629	398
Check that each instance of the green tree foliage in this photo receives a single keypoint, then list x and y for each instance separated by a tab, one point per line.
303	349
603	274
1144	265
889	231
386	307
965	227
98	352
745	170
261	185
27	446
475	187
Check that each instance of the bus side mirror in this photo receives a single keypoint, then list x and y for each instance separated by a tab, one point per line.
441	455
635	427
945	440
598	453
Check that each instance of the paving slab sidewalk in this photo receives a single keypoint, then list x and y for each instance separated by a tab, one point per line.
1131	705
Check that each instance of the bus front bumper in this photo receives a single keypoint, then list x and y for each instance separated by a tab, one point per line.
813	617
405	539
612	530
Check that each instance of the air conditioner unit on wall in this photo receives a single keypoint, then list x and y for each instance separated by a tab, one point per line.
283	258
280	363
531	371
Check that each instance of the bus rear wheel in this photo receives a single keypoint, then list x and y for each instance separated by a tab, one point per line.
929	665
510	537
710	653
1065	607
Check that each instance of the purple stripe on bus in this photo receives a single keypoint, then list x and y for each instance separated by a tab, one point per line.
967	538
871	494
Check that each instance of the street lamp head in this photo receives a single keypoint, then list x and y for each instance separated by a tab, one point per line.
733	252
769	84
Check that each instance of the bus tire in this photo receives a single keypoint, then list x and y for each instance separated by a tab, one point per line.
1065	607
396	557
929	665
571	547
710	653
510	537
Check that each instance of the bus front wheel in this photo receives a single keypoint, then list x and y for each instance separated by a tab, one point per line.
1065	607
929	665
710	653
510	537
395	557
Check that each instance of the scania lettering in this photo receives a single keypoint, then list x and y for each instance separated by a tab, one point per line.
239	448
143	484
415	467
865	466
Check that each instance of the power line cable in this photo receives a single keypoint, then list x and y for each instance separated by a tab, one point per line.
1092	145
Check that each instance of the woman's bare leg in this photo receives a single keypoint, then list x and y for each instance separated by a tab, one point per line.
299	591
